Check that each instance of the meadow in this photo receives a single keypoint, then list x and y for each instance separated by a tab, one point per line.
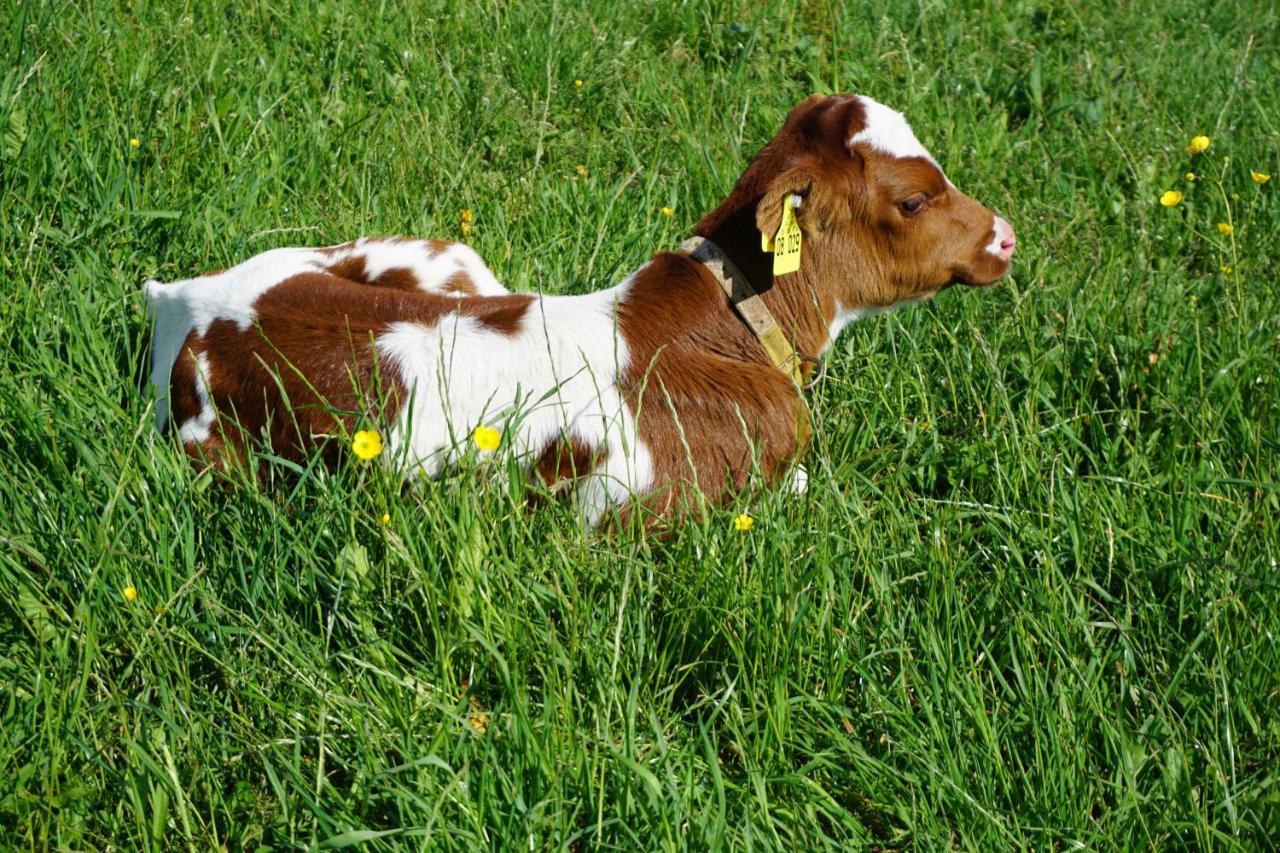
1030	599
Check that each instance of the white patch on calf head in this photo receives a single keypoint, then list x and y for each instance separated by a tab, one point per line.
887	131
1003	231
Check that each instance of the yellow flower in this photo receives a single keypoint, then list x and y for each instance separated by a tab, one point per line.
385	519
1259	177
467	218
743	522
1225	228
1171	198
1190	176
1224	269
1198	145
366	444
486	438
134	143
479	721
577	84
129	593
581	170
668	211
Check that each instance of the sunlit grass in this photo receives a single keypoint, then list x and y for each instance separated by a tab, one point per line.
1031	597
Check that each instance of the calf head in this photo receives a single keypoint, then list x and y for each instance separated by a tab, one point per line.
881	222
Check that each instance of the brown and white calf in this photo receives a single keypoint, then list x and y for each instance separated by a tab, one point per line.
639	394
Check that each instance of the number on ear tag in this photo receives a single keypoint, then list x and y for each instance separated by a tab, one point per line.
786	245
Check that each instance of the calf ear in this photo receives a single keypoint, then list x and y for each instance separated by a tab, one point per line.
820	204
796	182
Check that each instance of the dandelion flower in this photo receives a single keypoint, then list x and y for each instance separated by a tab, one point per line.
486	438
366	444
1190	176
668	211
1198	145
130	593
1259	177
1171	198
134	143
1225	228
742	522
467	218
581	170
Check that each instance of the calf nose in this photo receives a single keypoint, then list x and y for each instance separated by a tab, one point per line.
1004	241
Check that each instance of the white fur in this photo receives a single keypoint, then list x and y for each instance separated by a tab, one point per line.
556	376
799	480
196	429
844	316
1003	231
887	131
432	269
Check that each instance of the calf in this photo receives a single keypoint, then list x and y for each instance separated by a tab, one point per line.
682	379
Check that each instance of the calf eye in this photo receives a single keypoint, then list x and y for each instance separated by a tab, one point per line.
912	206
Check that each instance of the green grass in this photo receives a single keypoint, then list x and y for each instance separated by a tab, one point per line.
1031	597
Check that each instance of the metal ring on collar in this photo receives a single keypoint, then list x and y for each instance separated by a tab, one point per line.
819	370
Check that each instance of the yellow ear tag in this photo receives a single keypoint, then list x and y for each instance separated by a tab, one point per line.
786	244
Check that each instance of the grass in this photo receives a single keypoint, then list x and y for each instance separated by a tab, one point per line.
1030	599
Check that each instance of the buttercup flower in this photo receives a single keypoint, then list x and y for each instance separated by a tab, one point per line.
130	593
366	444
742	522
577	84
581	170
1225	228
467	218
1198	145
1190	176
1224	269
1259	177
1171	198
486	438
668	211
134	143
479	721
385	519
